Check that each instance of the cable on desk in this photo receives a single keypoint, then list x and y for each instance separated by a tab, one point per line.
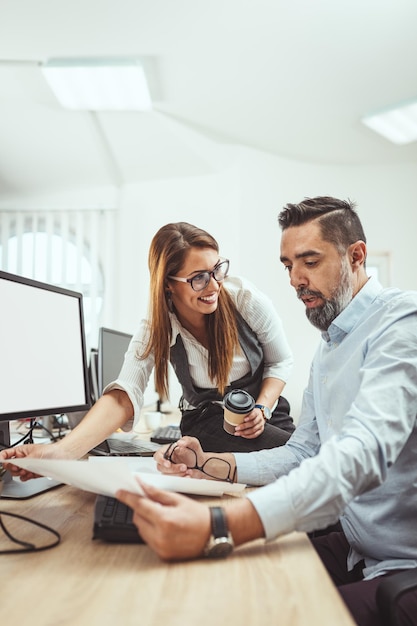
27	547
28	437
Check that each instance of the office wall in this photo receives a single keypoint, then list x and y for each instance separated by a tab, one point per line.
239	206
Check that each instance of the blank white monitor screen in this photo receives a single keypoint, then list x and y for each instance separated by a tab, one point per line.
43	368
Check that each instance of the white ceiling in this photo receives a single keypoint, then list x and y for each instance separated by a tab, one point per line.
291	77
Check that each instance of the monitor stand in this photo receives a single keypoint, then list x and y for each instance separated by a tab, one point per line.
15	489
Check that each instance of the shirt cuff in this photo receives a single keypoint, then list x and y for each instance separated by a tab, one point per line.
272	505
135	398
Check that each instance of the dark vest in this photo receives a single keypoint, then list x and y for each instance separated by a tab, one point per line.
205	421
251	381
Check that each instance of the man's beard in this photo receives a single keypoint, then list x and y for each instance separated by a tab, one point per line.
322	316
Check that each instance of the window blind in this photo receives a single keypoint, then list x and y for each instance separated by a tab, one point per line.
75	249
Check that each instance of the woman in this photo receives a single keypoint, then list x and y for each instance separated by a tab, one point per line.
218	333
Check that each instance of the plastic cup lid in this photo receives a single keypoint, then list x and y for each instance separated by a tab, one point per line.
239	401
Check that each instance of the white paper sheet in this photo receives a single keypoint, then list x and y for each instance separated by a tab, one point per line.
106	475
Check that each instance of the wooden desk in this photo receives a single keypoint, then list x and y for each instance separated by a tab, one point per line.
83	582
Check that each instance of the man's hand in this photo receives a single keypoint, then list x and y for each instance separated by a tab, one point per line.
169	461
177	527
180	469
174	526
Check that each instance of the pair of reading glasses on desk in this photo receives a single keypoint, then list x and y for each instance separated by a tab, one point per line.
214	467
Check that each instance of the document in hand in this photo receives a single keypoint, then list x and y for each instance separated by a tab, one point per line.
106	475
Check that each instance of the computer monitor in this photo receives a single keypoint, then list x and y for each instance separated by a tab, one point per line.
43	365
112	346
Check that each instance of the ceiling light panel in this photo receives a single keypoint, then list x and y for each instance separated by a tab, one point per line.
98	84
398	125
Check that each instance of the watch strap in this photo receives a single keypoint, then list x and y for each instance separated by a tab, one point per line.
218	522
266	411
220	543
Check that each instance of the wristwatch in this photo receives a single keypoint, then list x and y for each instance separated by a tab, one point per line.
220	543
266	411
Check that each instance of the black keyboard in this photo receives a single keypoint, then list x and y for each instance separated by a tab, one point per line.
125	447
113	521
166	434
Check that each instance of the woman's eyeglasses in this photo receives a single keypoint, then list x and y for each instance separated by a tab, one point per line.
201	280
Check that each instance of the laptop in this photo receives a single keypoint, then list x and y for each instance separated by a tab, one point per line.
115	446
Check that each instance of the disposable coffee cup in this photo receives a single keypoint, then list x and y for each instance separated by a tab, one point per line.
237	405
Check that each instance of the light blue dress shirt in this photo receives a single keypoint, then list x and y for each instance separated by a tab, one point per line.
353	455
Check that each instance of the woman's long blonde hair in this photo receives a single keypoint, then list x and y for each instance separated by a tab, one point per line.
166	257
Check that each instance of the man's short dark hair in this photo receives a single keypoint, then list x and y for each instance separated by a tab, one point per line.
339	223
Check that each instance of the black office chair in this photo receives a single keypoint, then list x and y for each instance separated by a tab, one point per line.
390	591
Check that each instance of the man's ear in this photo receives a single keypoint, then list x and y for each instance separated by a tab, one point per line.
357	254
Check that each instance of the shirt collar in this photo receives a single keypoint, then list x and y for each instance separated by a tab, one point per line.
175	327
347	319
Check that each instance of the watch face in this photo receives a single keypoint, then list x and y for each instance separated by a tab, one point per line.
220	547
267	412
220	543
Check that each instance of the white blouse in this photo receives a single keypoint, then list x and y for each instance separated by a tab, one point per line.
258	312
